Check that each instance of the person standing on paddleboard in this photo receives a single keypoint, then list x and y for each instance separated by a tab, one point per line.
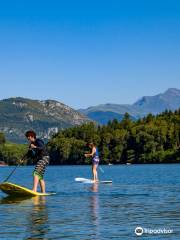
37	151
95	160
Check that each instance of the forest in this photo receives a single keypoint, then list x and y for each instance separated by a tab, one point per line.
152	139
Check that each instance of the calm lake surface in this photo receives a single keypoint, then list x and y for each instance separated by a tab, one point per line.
140	195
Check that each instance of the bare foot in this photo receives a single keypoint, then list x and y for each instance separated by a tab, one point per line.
95	181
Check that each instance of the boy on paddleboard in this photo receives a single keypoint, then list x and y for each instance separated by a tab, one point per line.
95	160
37	152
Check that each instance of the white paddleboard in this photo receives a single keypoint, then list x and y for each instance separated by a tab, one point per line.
86	180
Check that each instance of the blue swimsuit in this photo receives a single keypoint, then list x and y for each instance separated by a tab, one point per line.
95	159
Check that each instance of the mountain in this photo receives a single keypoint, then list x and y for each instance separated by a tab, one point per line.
45	117
20	114
104	117
170	100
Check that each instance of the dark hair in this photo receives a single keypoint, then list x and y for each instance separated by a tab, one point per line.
30	133
91	144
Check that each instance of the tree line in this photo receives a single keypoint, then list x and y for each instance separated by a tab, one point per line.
152	139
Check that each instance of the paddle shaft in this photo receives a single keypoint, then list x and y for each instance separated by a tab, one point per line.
101	169
11	173
14	169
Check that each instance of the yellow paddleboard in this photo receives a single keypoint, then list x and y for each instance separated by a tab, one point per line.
16	190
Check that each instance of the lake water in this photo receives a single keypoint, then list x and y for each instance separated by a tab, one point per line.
146	196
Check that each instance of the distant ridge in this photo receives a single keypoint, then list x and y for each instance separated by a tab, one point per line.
20	114
46	117
170	100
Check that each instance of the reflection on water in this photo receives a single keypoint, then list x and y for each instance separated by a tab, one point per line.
37	226
94	187
12	200
94	210
36	216
146	196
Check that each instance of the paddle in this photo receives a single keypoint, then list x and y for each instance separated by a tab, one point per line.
21	161
101	169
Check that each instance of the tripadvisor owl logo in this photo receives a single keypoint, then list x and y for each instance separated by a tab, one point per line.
139	231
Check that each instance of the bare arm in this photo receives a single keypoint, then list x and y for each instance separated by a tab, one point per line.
90	154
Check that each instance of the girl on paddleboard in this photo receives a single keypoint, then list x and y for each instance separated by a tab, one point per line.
37	152
95	160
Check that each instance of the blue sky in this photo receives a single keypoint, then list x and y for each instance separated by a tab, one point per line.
85	53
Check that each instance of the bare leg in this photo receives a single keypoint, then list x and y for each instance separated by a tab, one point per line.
94	170
96	175
36	181
93	173
42	185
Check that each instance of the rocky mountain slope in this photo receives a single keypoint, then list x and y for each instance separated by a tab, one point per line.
45	117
